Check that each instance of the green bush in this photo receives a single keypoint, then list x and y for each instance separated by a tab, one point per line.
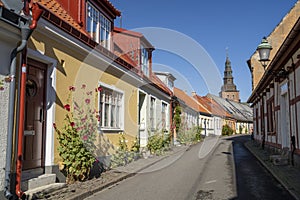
76	138
188	136
177	118
77	159
158	143
123	156
227	130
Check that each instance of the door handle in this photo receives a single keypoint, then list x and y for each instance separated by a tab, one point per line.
41	115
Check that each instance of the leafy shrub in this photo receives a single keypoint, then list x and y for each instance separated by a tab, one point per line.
197	137
76	138
177	117
158	143
189	135
123	156
227	130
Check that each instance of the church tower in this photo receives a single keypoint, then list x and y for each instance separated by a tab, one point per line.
228	89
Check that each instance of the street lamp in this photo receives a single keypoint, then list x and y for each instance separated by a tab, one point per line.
264	49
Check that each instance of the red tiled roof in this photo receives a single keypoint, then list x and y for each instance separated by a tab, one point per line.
189	101
125	57
135	34
56	15
55	8
128	32
111	6
160	84
212	106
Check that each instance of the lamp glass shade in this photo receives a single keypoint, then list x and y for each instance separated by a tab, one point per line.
264	49
264	54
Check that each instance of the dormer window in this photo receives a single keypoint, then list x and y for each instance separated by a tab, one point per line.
144	61
170	84
98	26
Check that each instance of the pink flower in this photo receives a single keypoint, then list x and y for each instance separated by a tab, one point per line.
84	119
72	124
98	118
67	107
1	88
85	137
72	88
83	86
87	101
98	89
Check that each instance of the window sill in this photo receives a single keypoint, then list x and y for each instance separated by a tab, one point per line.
116	130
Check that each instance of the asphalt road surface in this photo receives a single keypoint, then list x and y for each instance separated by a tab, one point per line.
182	176
253	180
201	172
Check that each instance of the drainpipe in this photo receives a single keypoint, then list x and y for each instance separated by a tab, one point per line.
20	126
12	87
26	31
36	13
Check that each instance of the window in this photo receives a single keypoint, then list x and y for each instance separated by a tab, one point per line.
256	121
144	61
164	115
270	116
170	84
111	109
152	113
105	31
262	118
98	26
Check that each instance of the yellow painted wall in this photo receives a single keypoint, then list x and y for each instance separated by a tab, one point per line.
77	68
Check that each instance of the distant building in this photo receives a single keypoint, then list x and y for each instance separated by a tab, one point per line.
228	89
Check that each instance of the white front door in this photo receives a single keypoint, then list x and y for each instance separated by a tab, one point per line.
284	121
142	120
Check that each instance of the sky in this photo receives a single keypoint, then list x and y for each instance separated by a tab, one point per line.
192	38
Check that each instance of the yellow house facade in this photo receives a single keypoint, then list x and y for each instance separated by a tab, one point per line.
67	63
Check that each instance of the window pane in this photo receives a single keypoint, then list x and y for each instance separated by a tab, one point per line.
118	117
112	120
105	29
144	61
106	115
111	107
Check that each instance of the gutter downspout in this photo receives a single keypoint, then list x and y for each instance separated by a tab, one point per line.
11	107
26	31
36	13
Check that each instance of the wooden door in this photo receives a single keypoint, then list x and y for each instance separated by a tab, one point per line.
34	116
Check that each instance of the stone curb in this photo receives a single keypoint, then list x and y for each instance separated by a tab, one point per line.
233	170
294	194
85	194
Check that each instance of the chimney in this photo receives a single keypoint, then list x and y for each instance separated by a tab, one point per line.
194	93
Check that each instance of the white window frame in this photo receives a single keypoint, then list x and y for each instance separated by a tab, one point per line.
119	116
144	60
164	115
152	113
101	28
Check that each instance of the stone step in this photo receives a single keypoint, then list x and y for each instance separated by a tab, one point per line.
41	192
42	180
